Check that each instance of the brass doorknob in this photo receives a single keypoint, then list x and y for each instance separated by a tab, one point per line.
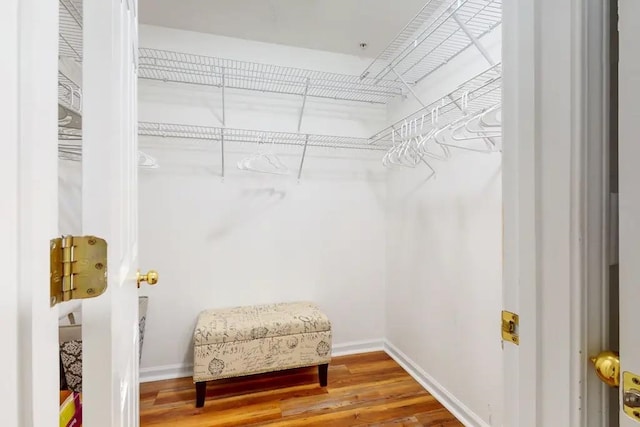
607	366
151	277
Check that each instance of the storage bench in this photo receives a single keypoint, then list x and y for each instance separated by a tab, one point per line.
239	341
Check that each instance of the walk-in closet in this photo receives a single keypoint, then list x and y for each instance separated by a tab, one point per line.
357	171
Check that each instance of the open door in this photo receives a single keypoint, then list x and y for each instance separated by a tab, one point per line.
110	326
629	200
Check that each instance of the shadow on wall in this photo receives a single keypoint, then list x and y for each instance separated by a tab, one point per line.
252	204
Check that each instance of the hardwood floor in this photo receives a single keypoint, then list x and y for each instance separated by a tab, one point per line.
364	390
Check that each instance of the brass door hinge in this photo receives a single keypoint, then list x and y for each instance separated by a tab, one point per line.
510	327
78	268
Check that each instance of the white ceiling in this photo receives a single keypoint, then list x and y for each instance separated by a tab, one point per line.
331	25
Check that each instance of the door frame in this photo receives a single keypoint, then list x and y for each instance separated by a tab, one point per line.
9	318
555	173
29	365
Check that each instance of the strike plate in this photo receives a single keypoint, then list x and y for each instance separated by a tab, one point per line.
510	322
631	395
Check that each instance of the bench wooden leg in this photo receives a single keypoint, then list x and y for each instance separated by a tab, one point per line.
201	391
323	373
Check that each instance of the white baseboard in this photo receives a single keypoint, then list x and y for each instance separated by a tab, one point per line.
453	405
169	372
356	347
166	372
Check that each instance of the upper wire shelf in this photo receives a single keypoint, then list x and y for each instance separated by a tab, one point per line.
481	92
215	134
438	33
70	35
180	67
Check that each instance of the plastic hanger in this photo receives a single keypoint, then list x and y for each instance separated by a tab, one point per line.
406	153
492	117
423	145
401	154
459	134
445	137
391	157
409	155
485	121
264	162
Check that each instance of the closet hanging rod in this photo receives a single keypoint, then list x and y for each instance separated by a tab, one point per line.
483	91
214	134
178	67
438	33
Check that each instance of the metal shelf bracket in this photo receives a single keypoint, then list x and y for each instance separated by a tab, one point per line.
304	153
222	153
474	40
224	117
304	102
409	88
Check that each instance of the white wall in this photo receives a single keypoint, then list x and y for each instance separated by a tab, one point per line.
257	239
444	261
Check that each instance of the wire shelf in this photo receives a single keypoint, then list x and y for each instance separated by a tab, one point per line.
214	134
179	67
434	37
70	35
483	91
69	94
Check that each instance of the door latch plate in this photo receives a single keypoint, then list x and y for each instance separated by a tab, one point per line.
510	325
631	395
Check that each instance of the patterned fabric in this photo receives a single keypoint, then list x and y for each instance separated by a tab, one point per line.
251	340
71	347
143	303
259	321
71	355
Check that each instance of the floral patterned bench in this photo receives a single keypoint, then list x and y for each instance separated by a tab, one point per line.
239	341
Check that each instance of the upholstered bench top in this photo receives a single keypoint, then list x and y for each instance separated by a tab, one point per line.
259	321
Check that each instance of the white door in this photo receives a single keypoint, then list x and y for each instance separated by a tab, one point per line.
109	210
629	196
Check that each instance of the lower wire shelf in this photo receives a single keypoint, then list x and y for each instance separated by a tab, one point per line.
213	134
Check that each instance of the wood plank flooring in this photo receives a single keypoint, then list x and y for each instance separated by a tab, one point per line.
368	389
